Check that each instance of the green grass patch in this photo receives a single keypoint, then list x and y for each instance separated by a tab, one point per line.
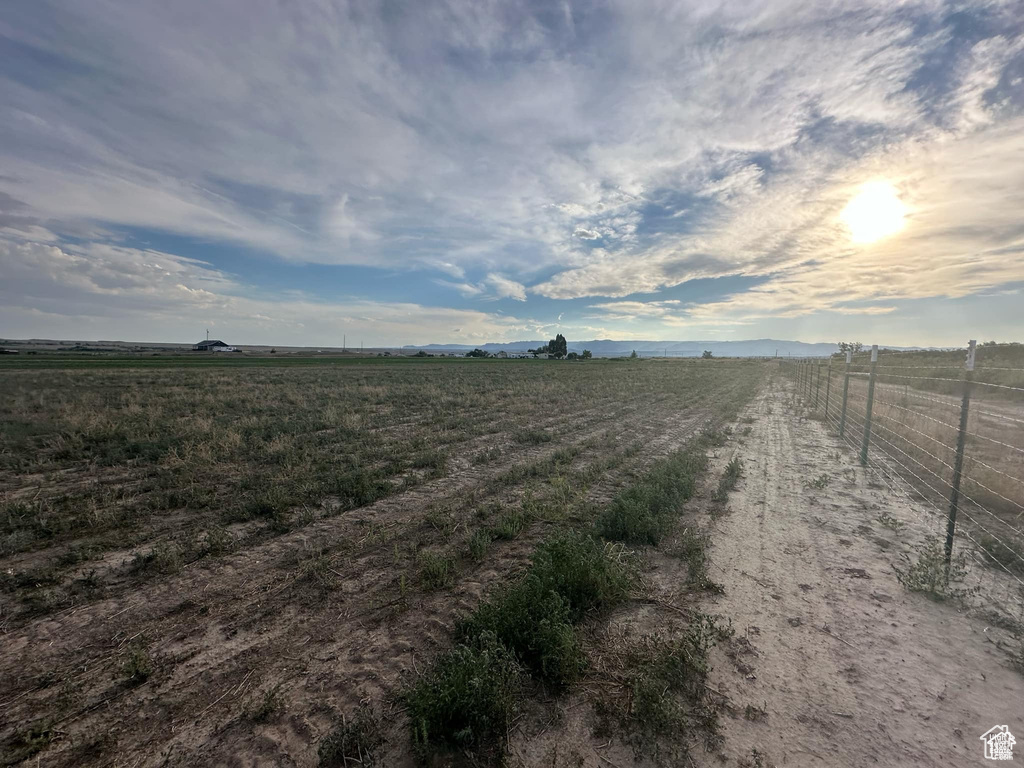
509	525
466	697
570	576
479	545
436	570
646	512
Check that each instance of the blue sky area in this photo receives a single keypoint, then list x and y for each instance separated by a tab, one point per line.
285	173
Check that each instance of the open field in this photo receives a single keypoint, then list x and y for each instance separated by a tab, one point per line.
467	563
173	534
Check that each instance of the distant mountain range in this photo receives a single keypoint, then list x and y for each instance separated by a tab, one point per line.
646	348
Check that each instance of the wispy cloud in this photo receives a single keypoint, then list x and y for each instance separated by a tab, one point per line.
125	293
511	153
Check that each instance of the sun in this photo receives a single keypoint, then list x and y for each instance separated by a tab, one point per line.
875	212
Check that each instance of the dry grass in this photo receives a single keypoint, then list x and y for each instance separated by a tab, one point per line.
191	507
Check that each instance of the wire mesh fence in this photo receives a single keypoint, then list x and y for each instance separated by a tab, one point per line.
944	430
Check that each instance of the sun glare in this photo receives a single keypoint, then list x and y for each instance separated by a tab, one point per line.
874	213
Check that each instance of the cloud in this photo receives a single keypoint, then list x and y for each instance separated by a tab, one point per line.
604	150
504	288
466	289
100	291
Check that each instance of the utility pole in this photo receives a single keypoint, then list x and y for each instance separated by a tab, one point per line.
344	342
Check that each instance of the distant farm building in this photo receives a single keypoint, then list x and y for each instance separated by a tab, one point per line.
212	345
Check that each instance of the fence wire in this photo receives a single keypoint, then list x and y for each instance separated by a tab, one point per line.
969	469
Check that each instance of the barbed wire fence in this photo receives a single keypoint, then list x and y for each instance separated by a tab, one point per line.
945	431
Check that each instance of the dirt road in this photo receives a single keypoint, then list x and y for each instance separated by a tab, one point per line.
851	668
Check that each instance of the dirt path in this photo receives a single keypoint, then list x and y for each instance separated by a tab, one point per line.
851	668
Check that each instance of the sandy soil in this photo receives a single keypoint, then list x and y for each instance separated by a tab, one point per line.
852	668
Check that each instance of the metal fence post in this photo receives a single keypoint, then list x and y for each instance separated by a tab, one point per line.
828	384
846	391
958	463
817	385
867	413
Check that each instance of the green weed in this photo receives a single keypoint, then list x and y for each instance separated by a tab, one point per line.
570	576
668	688
532	436
509	525
436	570
930	575
466	697
645	512
819	483
26	744
888	521
1001	552
691	547
137	666
479	545
730	476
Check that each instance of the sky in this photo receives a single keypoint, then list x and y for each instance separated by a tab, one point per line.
465	171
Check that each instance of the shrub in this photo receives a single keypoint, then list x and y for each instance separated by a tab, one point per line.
534	623
354	741
586	572
645	512
466	697
569	576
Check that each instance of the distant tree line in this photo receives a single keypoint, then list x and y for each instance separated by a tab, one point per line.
557	348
